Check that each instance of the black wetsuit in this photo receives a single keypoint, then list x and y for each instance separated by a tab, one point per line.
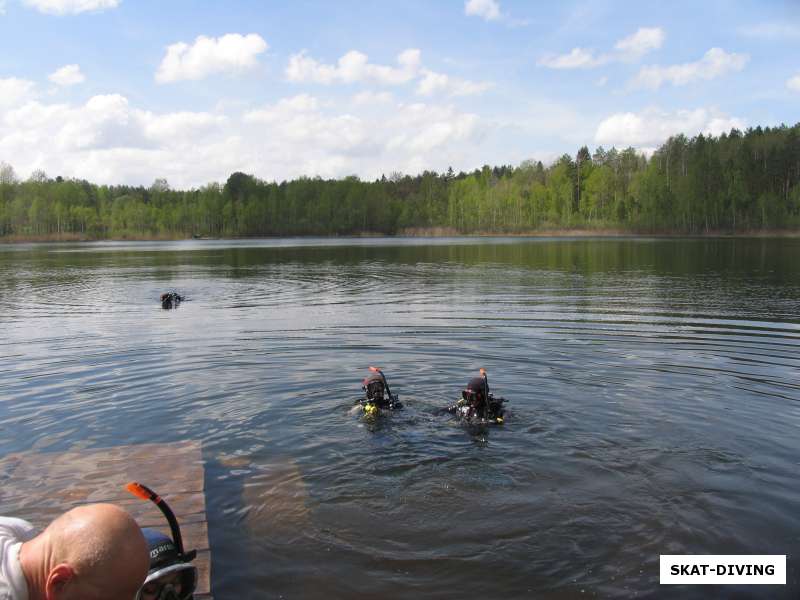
478	411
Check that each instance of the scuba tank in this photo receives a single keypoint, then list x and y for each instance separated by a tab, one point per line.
377	393
171	575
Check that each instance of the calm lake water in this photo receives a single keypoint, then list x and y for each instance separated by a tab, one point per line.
654	403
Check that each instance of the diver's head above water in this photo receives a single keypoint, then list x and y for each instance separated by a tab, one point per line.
170	299
373	387
474	393
477	403
377	393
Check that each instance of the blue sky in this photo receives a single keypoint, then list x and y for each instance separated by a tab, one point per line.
124	91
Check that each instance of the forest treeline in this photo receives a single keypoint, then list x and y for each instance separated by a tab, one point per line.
739	181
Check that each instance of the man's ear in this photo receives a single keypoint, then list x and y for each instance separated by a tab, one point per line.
57	579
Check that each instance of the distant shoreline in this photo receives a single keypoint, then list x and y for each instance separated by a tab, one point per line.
420	233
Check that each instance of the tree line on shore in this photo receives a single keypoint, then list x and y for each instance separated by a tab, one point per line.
738	181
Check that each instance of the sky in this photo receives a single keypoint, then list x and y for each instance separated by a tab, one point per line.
127	91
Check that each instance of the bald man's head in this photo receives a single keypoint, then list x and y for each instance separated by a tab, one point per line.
93	552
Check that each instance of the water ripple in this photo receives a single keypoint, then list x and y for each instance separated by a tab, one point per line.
653	402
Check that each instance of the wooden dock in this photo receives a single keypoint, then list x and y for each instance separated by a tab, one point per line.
38	486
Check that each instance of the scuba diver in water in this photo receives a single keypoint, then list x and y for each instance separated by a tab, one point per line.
172	576
377	394
170	300
477	405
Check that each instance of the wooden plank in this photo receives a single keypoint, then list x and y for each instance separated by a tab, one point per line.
39	486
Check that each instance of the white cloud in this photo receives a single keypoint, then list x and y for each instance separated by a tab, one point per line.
14	91
423	128
103	122
432	83
545	119
301	135
372	98
772	31
272	113
208	55
652	127
180	125
627	49
71	7
578	58
299	121
794	83
2	7
715	63
108	140
640	43
485	9
67	75
353	67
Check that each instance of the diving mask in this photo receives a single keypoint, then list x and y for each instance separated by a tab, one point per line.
174	582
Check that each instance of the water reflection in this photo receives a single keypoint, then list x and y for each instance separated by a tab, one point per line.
653	394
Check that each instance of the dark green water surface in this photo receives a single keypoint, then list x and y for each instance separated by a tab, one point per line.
654	391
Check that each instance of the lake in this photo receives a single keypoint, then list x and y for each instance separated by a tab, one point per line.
654	403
